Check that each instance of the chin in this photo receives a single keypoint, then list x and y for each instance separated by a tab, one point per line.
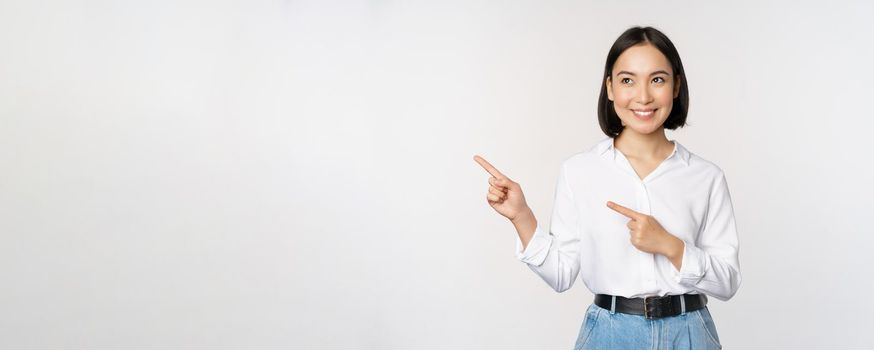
643	131
646	128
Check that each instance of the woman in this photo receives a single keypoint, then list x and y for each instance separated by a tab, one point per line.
647	225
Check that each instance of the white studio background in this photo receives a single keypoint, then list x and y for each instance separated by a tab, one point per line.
299	174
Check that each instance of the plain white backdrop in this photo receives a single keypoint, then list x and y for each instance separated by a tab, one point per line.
299	174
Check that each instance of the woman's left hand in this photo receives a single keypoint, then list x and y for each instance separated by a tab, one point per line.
648	235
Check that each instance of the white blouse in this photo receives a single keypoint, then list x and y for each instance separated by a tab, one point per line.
686	194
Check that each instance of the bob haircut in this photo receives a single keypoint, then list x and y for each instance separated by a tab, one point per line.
610	122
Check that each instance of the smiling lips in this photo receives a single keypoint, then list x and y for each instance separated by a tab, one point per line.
644	114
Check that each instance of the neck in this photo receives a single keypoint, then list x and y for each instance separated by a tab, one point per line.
647	146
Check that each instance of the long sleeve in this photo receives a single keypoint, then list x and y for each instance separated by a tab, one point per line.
711	265
554	255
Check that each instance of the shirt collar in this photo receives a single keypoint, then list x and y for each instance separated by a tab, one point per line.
606	150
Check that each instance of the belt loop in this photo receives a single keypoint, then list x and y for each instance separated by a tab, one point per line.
683	304
613	305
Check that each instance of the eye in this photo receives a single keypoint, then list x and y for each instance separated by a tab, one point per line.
658	80
625	81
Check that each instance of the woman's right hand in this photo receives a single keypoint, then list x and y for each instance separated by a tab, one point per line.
504	195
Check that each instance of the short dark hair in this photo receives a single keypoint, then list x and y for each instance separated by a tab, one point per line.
610	122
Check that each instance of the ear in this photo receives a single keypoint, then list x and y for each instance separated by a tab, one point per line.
677	83
609	85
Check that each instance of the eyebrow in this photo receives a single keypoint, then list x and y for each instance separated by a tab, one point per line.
653	73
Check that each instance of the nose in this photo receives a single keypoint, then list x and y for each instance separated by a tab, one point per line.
645	95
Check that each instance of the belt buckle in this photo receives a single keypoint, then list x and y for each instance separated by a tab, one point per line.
646	307
646	303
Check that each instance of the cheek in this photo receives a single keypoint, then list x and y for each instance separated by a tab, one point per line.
667	103
665	96
624	97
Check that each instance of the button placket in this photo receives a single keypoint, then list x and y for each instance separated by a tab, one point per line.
647	261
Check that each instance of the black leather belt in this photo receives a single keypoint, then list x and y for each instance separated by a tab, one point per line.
653	307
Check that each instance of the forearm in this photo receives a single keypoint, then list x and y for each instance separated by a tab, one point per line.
554	255
525	224
674	251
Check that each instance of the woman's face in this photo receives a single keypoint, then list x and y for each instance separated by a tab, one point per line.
642	87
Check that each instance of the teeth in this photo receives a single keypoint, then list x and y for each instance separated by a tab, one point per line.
641	113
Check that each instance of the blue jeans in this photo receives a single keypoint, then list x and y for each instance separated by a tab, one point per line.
603	329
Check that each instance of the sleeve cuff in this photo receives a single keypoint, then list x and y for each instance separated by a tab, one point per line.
693	266
537	249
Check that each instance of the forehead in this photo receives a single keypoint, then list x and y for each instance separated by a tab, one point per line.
642	59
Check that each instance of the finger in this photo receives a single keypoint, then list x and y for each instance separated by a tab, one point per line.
493	197
489	199
631	225
631	214
497	192
499	183
500	189
489	167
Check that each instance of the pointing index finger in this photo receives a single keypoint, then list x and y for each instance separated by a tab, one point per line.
486	165
631	214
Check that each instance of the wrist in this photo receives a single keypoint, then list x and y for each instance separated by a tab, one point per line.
525	216
675	248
